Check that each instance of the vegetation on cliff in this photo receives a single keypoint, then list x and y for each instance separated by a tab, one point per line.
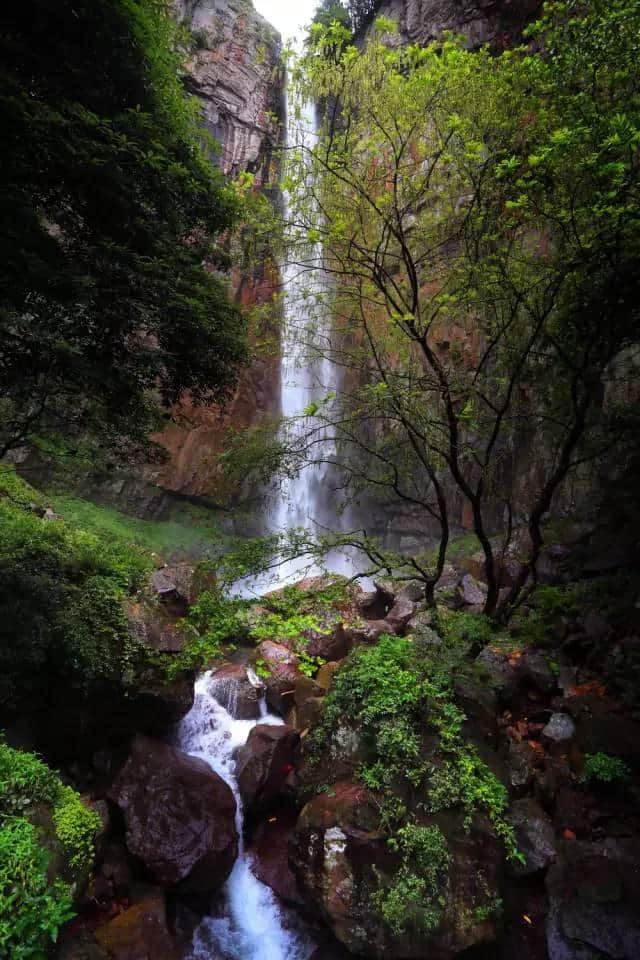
478	221
110	208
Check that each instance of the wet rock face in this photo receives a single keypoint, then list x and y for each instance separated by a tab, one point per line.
265	763
179	816
338	853
593	895
236	692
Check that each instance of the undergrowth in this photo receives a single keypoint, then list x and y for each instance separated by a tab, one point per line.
399	694
32	908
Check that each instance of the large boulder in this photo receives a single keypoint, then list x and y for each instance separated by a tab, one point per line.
270	857
139	933
535	837
341	856
179	816
265	763
237	691
594	890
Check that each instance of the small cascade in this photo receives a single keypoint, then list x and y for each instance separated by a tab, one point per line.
252	923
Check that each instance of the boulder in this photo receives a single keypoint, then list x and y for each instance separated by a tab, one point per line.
400	614
560	728
340	856
270	857
331	641
308	703
471	592
412	590
179	816
593	892
535	837
520	766
172	586
139	933
265	763
282	667
237	691
372	605
324	676
533	670
367	632
155	626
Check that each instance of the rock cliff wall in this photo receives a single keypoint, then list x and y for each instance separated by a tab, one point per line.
493	22
236	73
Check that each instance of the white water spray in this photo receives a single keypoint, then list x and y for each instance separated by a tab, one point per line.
252	924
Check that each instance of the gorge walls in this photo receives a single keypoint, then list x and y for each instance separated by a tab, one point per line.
236	73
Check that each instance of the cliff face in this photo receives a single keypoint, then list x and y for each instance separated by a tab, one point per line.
493	22
236	73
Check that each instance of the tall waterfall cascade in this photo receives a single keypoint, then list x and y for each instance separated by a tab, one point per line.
250	923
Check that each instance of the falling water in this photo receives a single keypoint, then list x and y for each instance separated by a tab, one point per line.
252	924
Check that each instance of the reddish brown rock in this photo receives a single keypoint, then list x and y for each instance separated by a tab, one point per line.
283	672
265	763
324	676
270	857
179	816
139	933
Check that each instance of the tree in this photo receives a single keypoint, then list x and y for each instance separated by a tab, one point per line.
479	219
109	210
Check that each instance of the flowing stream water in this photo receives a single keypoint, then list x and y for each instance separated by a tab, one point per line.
251	924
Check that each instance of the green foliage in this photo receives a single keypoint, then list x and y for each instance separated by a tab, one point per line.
211	625
415	897
553	607
32	908
25	782
109	209
395	692
605	768
61	617
76	827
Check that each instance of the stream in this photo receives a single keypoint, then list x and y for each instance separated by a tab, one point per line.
252	924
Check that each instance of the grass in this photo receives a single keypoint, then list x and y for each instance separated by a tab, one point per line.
198	535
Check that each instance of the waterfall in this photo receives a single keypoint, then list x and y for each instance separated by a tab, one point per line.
251	924
307	376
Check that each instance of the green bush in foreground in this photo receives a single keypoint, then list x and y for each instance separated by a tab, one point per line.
32	909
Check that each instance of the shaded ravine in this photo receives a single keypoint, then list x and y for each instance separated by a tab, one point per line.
251	924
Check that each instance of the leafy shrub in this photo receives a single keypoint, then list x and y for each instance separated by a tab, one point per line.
398	694
61	591
76	827
415	897
605	768
31	908
212	622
